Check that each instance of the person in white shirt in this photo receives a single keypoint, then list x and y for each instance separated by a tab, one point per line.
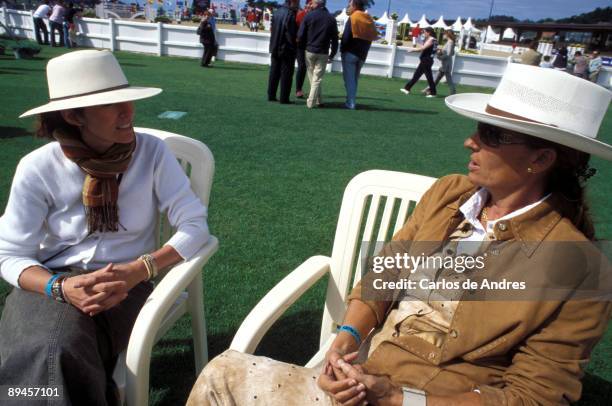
77	238
546	62
595	63
56	22
41	13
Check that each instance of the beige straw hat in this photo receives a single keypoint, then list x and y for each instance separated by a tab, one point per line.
88	78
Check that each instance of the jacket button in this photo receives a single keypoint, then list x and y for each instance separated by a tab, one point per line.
453	333
432	355
502	226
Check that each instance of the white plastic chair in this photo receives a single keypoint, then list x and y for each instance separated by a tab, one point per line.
180	290
396	192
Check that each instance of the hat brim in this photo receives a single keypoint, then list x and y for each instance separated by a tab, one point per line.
113	96
473	105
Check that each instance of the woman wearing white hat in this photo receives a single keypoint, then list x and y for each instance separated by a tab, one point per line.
78	233
521	211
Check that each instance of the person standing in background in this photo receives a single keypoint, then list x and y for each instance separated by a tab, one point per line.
445	55
580	65
359	32
428	50
207	39
416	32
42	13
283	48
531	56
594	66
57	22
300	74
560	61
546	63
318	33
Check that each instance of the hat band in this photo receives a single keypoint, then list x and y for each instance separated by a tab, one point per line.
502	113
108	89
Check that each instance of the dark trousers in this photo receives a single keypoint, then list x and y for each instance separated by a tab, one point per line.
39	25
44	342
300	75
281	70
423	68
209	51
60	29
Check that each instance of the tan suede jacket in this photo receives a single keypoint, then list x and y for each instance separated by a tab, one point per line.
527	352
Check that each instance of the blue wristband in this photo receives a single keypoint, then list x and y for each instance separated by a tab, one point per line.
50	284
352	331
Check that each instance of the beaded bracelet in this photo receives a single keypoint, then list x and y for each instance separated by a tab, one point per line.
57	292
352	331
50	284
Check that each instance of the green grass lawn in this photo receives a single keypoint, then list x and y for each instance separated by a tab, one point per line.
280	174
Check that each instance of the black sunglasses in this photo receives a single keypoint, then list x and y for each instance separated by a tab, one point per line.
493	136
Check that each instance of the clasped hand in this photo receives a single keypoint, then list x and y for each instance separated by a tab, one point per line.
350	385
100	290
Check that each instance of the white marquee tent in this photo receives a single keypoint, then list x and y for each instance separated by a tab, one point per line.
491	35
457	25
440	23
383	20
406	20
509	34
423	22
468	26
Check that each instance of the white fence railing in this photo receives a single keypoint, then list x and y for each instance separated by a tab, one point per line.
252	47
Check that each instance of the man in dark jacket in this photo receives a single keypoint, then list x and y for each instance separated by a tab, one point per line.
318	33
207	39
283	51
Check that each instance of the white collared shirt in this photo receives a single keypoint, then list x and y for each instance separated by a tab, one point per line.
473	206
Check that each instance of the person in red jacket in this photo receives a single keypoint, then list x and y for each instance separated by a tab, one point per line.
416	31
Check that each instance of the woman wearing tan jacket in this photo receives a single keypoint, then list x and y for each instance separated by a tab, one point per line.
518	327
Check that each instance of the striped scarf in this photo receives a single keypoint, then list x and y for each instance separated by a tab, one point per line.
101	186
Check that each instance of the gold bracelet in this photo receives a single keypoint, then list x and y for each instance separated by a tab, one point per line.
150	265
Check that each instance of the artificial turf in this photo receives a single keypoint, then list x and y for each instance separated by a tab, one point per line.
280	174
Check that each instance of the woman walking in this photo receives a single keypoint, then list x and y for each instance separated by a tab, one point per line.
428	50
445	55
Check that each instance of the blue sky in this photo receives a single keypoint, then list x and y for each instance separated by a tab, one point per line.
520	9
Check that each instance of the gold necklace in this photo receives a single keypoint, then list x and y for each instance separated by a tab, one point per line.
483	215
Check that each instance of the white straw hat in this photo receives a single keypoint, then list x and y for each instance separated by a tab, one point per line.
544	103
88	78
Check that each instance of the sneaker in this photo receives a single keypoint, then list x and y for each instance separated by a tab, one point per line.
425	91
430	96
349	106
404	91
299	94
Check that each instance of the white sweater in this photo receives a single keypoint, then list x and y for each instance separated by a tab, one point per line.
45	212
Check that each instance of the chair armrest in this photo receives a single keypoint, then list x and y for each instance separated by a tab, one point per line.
276	301
151	315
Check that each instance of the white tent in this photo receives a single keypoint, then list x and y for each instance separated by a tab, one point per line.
509	34
383	20
406	20
491	35
457	25
423	22
468	26
440	24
